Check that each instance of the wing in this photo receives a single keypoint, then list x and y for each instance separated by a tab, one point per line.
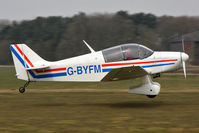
125	73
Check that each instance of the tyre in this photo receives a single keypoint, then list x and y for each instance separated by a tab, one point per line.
151	96
22	89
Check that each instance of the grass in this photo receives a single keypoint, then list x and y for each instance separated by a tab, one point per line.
97	112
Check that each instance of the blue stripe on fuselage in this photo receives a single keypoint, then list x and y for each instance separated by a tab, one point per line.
156	65
46	75
106	70
146	66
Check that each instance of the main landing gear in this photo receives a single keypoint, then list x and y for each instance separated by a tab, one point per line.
23	89
157	75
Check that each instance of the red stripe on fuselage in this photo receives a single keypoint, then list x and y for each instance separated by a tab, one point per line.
24	55
50	70
134	63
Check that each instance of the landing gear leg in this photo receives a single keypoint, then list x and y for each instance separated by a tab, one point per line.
23	89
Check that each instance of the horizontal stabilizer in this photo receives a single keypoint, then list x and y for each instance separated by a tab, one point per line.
37	67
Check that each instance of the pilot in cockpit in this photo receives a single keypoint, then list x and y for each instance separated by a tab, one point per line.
128	55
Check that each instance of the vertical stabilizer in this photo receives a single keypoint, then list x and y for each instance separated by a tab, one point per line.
23	58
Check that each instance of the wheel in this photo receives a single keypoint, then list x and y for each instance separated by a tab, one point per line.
151	96
22	89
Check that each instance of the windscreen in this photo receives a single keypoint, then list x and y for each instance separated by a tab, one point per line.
144	52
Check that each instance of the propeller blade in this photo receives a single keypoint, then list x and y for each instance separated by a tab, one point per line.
183	44
184	57
184	69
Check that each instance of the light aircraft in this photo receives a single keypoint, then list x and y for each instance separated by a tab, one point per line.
127	61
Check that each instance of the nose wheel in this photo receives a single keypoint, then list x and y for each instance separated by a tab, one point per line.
23	89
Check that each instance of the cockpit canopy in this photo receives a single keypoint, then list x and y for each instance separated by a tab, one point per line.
124	52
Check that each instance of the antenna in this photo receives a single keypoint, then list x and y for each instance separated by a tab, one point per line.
92	51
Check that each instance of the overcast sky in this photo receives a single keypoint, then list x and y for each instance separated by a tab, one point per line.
30	9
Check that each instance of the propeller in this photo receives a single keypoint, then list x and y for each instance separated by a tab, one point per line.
184	57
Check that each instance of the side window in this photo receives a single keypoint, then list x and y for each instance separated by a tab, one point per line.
130	52
113	54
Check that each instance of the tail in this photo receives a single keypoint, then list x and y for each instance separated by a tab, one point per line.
25	59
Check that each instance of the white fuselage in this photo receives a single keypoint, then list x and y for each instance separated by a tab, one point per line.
92	67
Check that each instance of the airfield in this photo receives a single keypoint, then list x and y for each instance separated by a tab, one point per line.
57	107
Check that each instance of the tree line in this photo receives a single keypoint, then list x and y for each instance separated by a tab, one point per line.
55	38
